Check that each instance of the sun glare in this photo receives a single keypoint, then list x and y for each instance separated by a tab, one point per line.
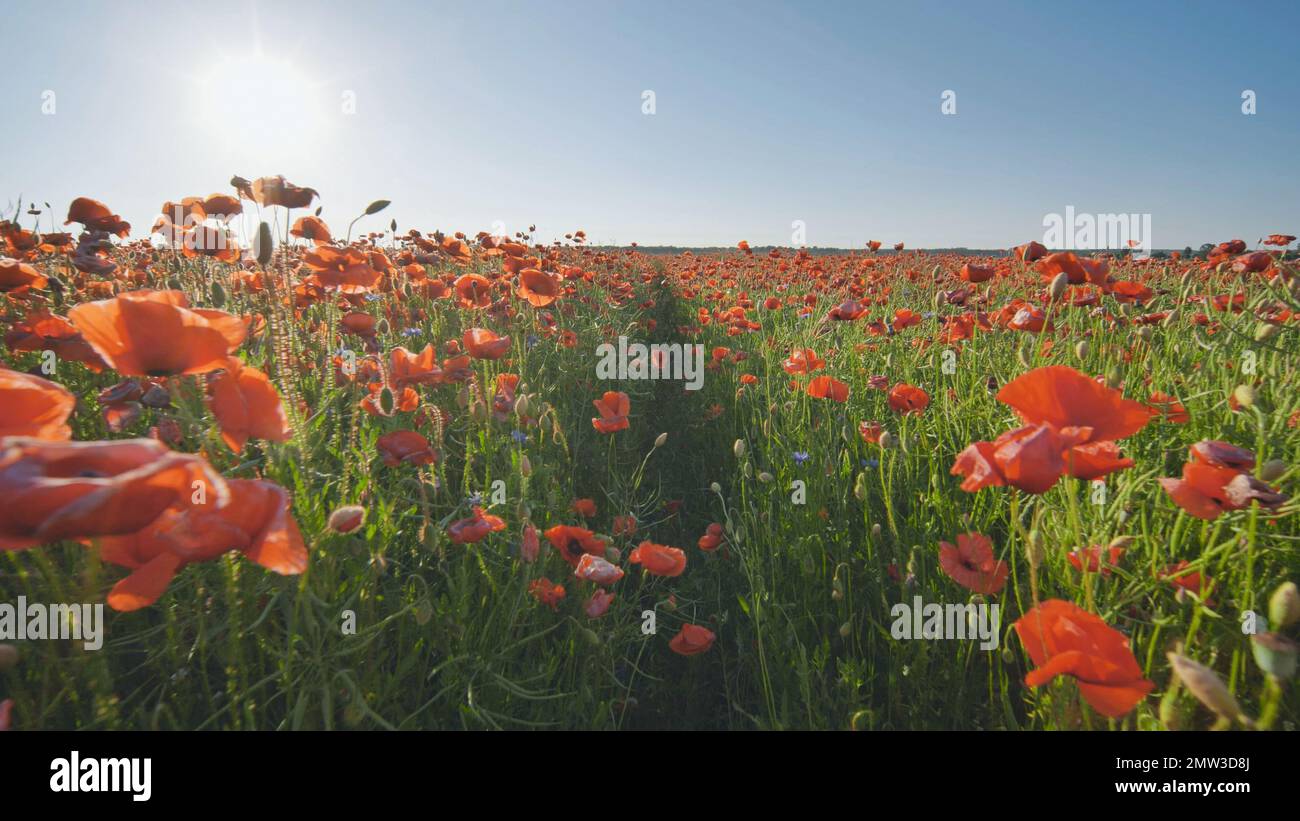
260	102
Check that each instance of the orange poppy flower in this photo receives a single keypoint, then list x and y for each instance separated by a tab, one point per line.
346	270
474	528
802	360
1063	639
586	508
905	398
18	277
712	538
976	273
1030	251
156	333
34	407
406	368
825	387
50	491
473	291
547	592
613	407
659	560
312	228
692	640
538	288
246	406
255	521
971	564
1090	560
405	447
96	216
484	344
43	331
279	191
572	542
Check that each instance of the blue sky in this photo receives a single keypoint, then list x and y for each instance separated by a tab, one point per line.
470	116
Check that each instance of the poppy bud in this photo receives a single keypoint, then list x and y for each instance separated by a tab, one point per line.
217	295
1120	541
1059	285
1272	470
862	719
352	714
590	636
860	487
837	595
1284	606
525	466
661	440
1206	685
1245	395
423	612
747	469
1275	655
875	531
1081	349
738	448
1034	549
1023	357
1170	320
1265	330
613	554
845	630
523	512
766	478
386	401
521	406
382	328
377	206
1146	333
8	657
462	396
888	441
1113	379
263	245
346	519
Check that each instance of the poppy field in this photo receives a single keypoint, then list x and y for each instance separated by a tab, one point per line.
375	478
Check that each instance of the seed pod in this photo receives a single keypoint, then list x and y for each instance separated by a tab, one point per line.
1284	606
715	487
263	245
217	294
1275	655
386	401
1206	685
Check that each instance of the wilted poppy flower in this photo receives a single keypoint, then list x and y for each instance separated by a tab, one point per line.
484	344
1063	639
246	406
156	333
598	604
613	407
1216	479
905	398
255	520
596	569
474	528
971	564
659	560
572	542
51	491
546	592
692	640
625	525
405	447
825	387
34	407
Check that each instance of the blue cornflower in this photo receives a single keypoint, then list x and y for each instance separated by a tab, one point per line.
519	436
800	456
412	332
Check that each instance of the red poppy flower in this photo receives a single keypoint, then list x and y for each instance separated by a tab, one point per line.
312	228
905	398
17	277
613	407
692	640
246	406
156	333
474	528
255	520
473	291
406	368
625	525
50	491
484	344
971	564
279	191
598	604
405	447
538	288
1063	639
346	270
34	407
96	216
803	360
659	560
586	508
529	545
825	387
546	592
1092	555
712	538
572	542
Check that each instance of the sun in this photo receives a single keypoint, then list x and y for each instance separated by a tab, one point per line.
261	103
